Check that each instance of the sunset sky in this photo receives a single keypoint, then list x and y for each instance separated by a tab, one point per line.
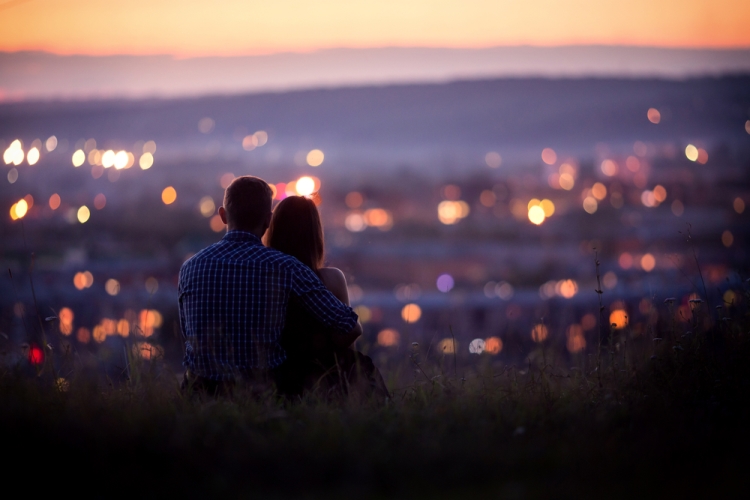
187	28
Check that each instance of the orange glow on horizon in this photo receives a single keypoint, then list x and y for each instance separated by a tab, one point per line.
239	27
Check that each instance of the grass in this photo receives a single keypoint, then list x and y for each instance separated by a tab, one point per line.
646	419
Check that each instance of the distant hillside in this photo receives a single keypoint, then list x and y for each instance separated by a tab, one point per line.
38	75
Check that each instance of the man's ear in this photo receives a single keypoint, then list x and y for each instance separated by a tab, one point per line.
223	215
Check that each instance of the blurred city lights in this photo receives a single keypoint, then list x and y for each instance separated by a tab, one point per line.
83	280
168	195
305	186
599	191
206	125
450	212
206	206
261	137
226	180
146	161
108	159
739	205
536	214
152	285
249	142
83	214
476	346
54	201
445	283
78	158
411	313
727	238
447	346
19	209
576	342
51	143
112	287
549	156
618	319
648	262
14	154
83	335
100	201
364	313
354	199
355	222
66	316
120	160
677	208
653	115
217	225
609	168
388	337
590	205
493	345
691	152
539	333
12	175
32	156
315	158
487	198
149	147
493	159
609	279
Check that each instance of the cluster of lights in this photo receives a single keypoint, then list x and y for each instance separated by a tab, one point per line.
20	208
142	324
502	289
411	313
653	198
564	288
256	140
374	217
15	155
110	158
452	211
564	178
491	345
647	261
539	210
696	154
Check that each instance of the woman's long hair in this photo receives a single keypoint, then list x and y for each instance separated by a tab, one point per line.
296	230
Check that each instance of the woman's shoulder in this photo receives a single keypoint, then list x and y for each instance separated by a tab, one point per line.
335	281
332	275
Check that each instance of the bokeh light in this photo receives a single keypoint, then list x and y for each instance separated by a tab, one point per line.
388	337
315	158
54	201
653	115
83	214
168	195
549	156
445	283
112	286
411	313
691	152
493	159
539	333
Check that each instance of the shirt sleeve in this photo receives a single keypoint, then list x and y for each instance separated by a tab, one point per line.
320	302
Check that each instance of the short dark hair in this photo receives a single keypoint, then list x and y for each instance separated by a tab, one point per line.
296	230
247	202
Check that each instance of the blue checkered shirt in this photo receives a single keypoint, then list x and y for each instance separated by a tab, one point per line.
233	297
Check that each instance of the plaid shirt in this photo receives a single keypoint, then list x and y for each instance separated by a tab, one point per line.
233	298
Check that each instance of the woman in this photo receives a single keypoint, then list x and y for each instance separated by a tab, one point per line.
313	361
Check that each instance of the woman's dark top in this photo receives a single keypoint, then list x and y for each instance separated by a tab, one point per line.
314	363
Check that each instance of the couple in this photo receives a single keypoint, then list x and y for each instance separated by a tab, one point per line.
256	312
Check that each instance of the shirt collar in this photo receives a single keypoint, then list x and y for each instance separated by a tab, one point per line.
237	235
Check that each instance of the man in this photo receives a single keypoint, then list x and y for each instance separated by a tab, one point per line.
233	297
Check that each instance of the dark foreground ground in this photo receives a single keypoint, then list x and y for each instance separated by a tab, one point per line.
668	421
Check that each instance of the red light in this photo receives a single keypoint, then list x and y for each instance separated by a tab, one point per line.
36	355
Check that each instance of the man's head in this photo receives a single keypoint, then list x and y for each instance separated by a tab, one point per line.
247	205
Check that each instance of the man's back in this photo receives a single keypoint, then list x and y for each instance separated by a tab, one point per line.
233	298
